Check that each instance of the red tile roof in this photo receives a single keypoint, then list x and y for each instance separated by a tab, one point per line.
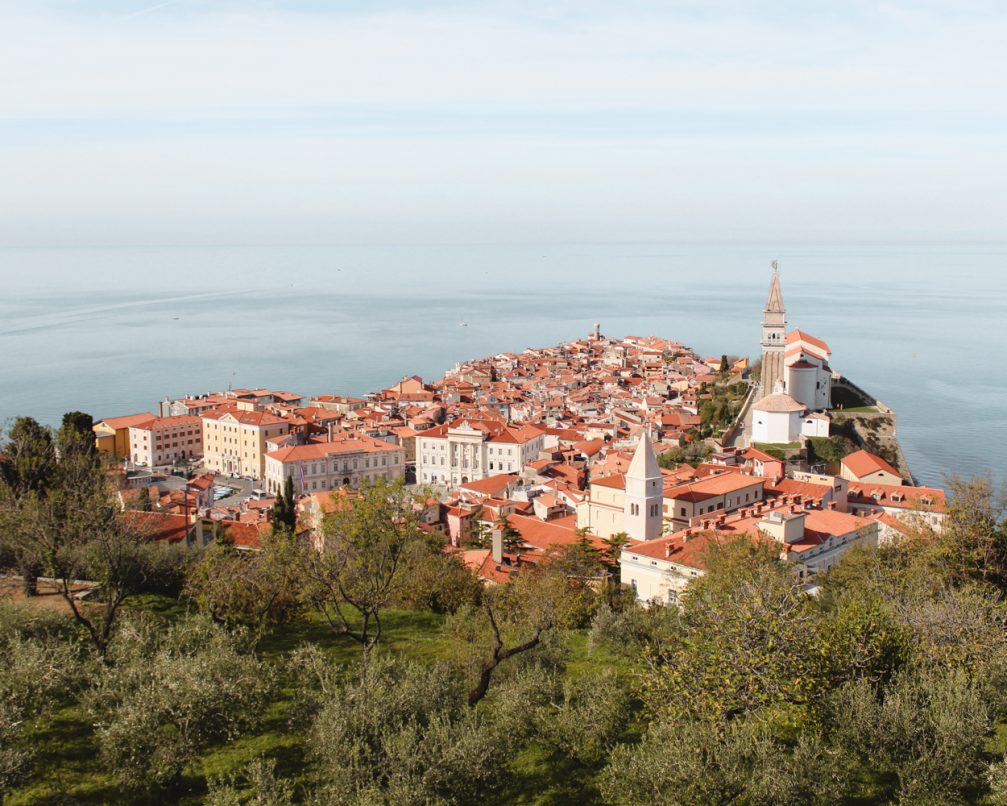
862	463
158	526
126	421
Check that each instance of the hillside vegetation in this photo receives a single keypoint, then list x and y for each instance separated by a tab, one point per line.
382	672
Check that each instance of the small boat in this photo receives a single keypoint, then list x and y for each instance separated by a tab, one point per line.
463	324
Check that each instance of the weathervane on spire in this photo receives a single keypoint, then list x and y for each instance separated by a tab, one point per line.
776	265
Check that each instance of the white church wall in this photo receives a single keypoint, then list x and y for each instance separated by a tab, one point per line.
801	385
775	426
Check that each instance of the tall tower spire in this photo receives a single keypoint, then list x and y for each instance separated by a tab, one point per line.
774	338
775	302
644	500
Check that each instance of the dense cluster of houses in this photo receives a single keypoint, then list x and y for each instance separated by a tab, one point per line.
543	448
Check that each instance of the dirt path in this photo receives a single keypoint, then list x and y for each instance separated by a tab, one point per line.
49	598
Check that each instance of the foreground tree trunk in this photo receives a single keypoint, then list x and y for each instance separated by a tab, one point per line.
499	656
30	573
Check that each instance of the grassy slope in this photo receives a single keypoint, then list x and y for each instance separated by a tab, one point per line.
68	769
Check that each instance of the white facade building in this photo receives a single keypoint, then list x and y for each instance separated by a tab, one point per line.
781	419
776	419
812	540
351	460
452	455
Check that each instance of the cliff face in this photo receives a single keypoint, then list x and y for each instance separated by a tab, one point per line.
870	424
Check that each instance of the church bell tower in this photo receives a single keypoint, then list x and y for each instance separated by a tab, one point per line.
642	511
774	338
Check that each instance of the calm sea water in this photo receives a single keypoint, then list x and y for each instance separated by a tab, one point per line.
112	331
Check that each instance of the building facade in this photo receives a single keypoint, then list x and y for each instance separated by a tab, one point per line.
810	540
452	455
234	441
352	460
166	440
111	435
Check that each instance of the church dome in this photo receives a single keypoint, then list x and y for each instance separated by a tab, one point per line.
778	403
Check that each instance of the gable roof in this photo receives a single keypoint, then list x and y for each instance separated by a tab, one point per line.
863	463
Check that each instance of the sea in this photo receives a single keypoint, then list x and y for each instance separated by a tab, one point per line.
112	331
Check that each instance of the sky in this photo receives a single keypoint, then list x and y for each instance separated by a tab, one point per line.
136	122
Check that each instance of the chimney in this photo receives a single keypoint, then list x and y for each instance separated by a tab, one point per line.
667	549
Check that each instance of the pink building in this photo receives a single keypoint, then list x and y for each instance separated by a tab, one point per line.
166	440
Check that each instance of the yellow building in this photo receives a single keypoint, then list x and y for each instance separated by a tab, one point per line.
234	441
111	435
642	505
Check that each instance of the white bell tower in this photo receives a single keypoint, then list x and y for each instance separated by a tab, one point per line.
642	509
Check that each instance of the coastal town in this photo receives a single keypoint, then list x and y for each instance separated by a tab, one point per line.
638	445
533	404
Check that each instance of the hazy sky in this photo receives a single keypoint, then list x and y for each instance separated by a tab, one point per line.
136	121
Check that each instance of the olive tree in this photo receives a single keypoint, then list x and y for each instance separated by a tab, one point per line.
57	510
259	785
399	733
40	669
250	588
168	692
683	761
515	618
745	638
928	728
591	714
360	565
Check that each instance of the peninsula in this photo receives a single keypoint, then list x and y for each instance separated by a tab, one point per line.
635	437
